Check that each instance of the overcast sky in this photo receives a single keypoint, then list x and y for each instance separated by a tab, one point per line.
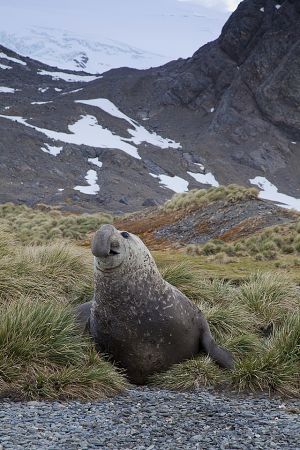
174	28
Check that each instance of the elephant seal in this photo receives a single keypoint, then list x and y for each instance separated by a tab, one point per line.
144	323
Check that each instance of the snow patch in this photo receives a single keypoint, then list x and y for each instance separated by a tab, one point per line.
270	192
17	119
43	89
18	61
70	77
262	9
201	166
95	161
3	66
91	178
174	183
86	131
212	109
6	90
60	189
51	149
277	6
139	133
293	142
205	178
107	106
41	103
57	89
72	92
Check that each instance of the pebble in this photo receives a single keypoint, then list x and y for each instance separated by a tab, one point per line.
152	419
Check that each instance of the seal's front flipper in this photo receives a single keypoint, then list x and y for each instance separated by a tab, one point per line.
82	315
220	355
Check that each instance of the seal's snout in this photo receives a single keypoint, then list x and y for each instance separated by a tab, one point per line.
103	243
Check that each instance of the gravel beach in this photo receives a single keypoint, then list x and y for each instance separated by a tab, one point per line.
153	419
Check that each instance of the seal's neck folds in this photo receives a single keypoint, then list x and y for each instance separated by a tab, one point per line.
127	283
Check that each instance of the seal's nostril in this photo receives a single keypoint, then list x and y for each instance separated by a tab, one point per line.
114	243
125	234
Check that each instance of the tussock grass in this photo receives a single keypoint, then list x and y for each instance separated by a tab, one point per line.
45	224
6	241
58	270
199	197
230	320
277	366
182	276
190	374
258	321
269	244
179	274
244	344
269	296
43	355
214	291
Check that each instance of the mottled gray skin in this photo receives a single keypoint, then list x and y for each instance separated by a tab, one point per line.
141	321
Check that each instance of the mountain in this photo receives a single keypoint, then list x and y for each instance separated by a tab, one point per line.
97	36
70	51
131	138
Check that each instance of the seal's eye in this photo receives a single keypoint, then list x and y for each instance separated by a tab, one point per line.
125	234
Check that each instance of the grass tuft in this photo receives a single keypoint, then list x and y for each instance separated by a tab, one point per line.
190	374
229	320
42	355
269	244
200	197
269	296
44	224
58	270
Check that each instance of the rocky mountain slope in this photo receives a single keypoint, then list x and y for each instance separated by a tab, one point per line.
226	215
132	138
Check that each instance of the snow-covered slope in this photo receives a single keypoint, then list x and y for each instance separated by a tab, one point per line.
96	36
59	48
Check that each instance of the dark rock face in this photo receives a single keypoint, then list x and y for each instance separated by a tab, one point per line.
224	221
249	79
150	202
233	106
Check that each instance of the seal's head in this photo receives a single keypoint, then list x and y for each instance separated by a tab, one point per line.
113	248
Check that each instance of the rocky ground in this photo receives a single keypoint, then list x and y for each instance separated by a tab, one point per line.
153	419
217	220
225	221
